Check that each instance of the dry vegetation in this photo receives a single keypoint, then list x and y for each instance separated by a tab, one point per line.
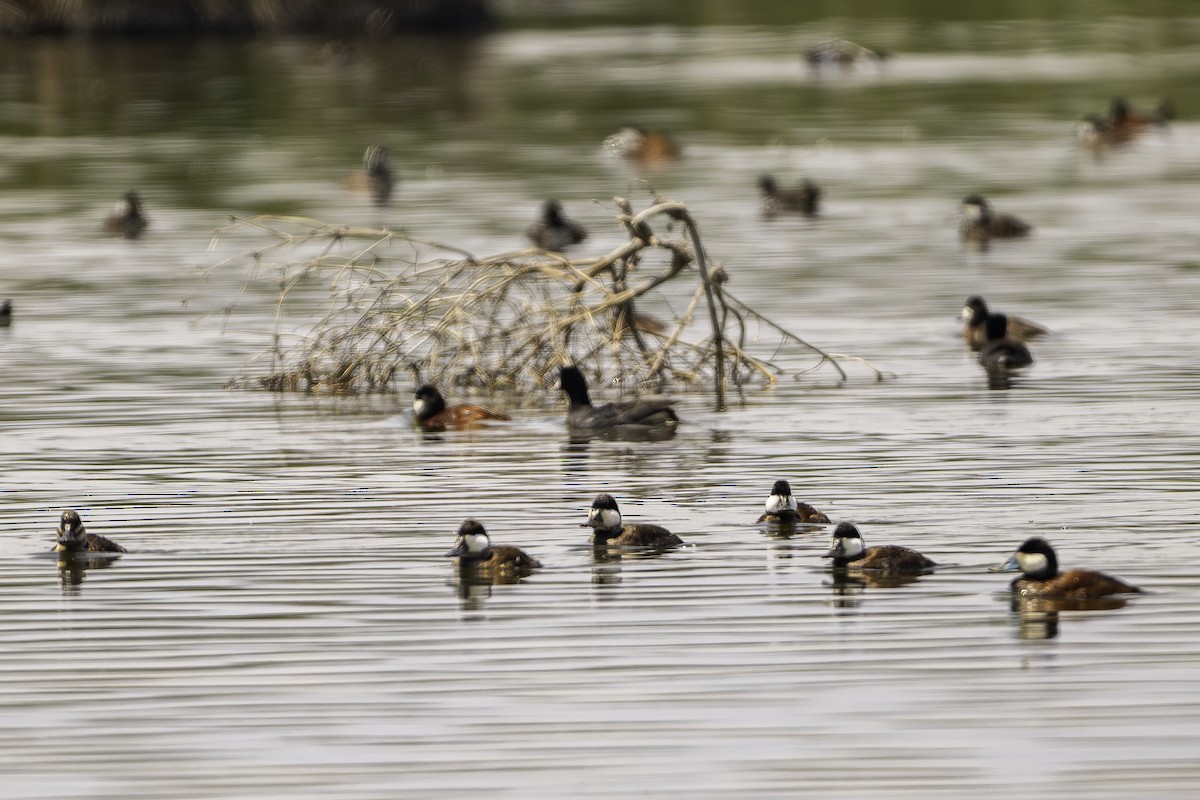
402	307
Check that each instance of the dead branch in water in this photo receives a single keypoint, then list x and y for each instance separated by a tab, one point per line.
505	322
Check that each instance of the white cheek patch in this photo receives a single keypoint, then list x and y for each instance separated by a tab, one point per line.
604	518
967	313
477	543
1031	562
972	212
850	548
779	502
418	407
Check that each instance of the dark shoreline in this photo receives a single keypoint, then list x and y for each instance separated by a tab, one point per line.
158	18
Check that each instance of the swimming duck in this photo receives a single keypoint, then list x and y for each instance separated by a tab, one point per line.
782	507
1121	123
431	413
475	551
585	416
1041	578
1001	350
128	219
803	199
74	538
842	53
377	164
847	551
981	224
638	144
6	314
605	520
975	314
553	231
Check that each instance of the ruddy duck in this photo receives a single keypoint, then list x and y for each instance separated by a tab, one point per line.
1041	578
6	314
553	231
585	416
782	507
638	144
605	520
975	314
127	219
803	199
1121	124
980	224
847	551
475	551
74	538
1002	351
431	413
842	53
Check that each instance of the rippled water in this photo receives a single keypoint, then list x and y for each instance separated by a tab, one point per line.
284	624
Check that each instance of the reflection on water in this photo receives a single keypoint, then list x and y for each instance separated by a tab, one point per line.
73	569
1038	617
285	624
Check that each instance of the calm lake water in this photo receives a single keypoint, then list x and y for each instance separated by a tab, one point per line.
285	626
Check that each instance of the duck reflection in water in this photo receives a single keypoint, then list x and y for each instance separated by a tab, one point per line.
1037	617
73	568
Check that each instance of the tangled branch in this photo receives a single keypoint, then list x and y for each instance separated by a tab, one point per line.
505	322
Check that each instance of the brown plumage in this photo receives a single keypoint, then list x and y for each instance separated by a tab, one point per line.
640	145
980	224
782	507
1039	564
74	538
474	551
605	520
431	413
1121	124
975	314
848	552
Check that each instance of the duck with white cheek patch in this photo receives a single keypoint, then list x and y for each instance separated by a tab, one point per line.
604	519
782	507
848	551
473	550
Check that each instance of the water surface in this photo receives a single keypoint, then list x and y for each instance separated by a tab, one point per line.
284	624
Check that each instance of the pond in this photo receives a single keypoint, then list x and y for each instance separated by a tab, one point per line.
285	623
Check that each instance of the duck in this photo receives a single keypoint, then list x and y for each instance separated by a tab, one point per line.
1040	577
842	53
1001	351
127	219
604	519
74	538
1121	124
377	164
585	416
782	507
640	145
975	314
981	224
847	551
803	199
431	413
474	550
6	313
553	231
